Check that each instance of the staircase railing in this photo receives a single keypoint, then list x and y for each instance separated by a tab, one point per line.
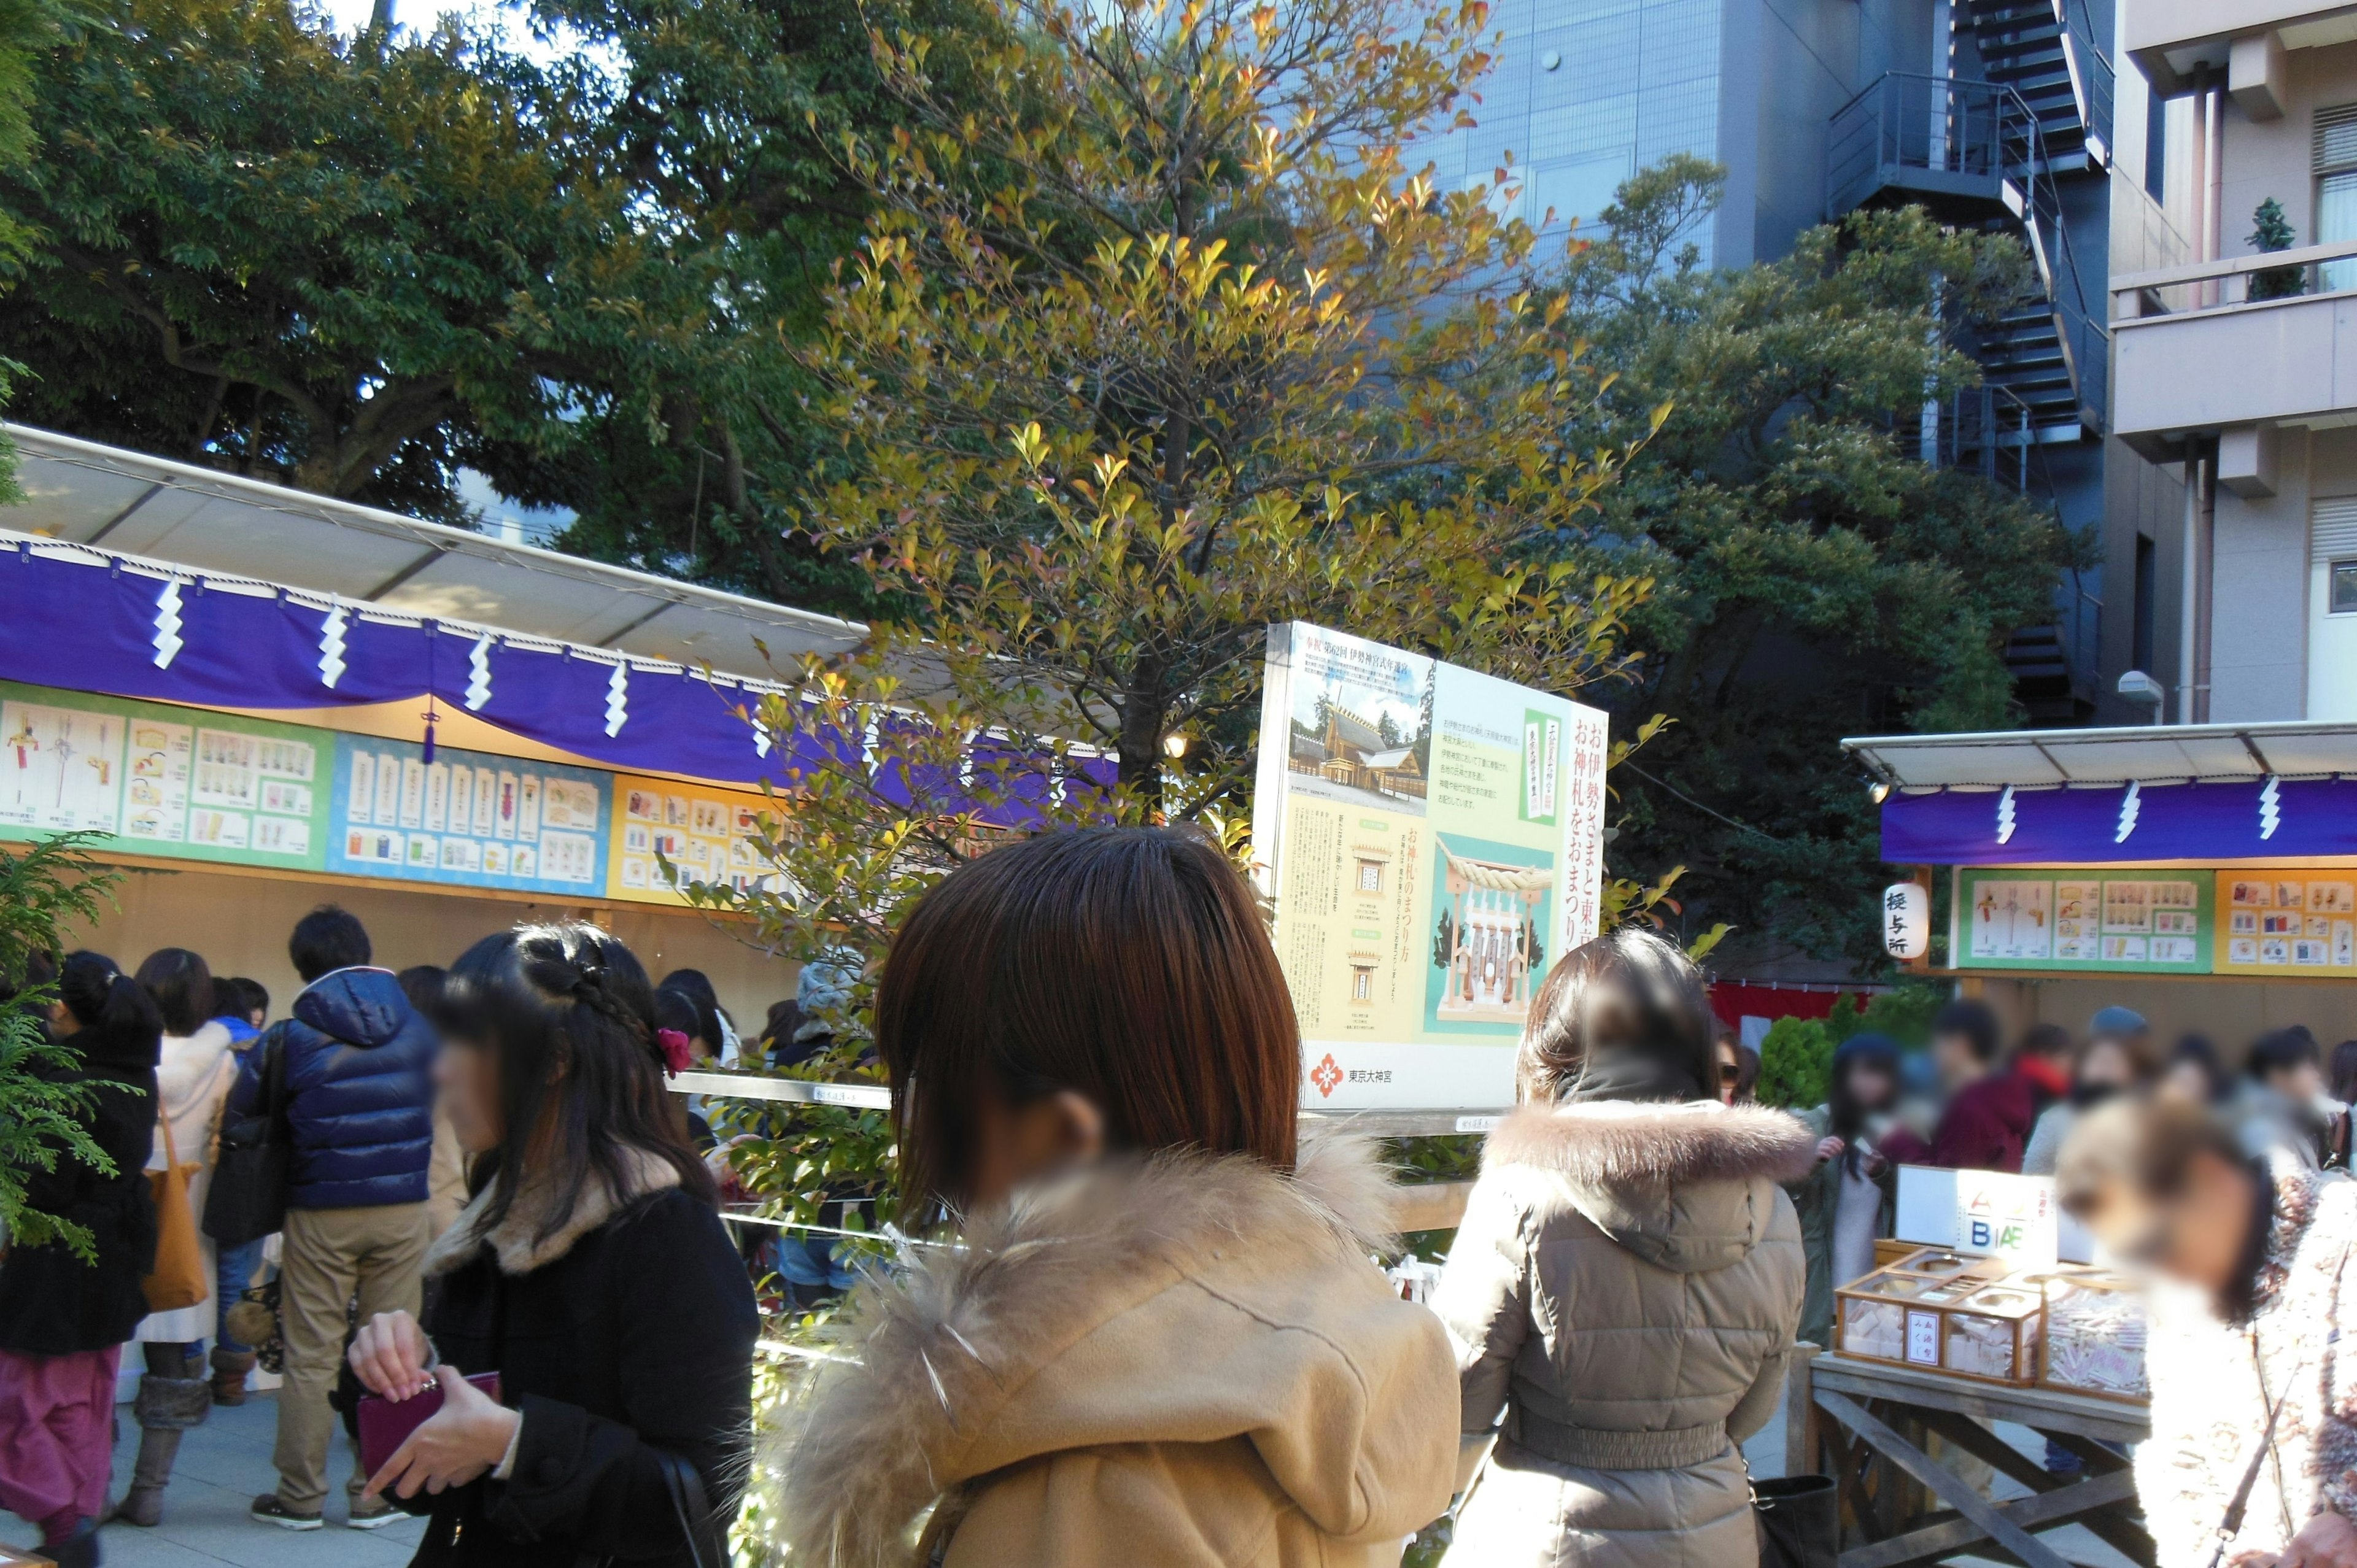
2092	75
1936	124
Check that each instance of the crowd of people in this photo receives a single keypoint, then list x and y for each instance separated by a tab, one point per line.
391	1096
1137	1316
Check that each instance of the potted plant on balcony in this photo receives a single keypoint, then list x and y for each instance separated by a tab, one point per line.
2273	231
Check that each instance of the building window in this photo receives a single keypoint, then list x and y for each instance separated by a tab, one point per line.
2336	189
2344	588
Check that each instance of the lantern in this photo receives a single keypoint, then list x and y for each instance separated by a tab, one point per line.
1906	919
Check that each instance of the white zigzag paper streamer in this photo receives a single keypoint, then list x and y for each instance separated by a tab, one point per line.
331	645
168	641
618	699
479	673
2005	816
2270	808
2130	806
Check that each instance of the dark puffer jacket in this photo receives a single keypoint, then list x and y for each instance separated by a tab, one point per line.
51	1301
359	1091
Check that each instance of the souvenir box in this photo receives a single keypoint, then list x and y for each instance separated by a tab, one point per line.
1945	1310
2093	1341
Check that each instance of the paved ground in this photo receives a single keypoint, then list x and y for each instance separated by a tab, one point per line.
223	1463
226	1461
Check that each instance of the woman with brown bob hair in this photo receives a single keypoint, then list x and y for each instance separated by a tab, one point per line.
1627	1281
1158	1330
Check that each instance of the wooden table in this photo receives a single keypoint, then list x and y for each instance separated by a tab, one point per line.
1866	1423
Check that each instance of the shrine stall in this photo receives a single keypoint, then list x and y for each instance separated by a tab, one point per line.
261	700
2204	875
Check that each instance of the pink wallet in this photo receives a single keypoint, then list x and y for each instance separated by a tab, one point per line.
385	1425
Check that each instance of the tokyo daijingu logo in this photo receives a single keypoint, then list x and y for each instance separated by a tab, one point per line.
1326	1076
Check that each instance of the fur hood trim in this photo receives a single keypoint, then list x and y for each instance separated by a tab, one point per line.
1607	1146
935	1353
516	1241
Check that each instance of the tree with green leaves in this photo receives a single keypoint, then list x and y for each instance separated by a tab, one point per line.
1154	340
349	264
49	886
1814	579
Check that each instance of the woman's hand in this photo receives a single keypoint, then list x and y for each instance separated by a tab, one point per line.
468	1436
2327	1540
1829	1149
390	1355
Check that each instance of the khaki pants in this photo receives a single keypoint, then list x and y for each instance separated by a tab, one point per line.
328	1257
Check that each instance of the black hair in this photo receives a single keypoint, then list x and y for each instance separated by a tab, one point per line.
569	1016
235	997
2198	1051
1847	1115
121	1029
327	940
423	984
182	987
691	984
1975	1023
1625	1017
2344	1072
677	1010
2044	1040
2278	1050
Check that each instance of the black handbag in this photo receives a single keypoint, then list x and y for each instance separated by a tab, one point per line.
1799	1520
247	1200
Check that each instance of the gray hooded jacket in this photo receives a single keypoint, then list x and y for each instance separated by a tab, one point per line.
1624	1289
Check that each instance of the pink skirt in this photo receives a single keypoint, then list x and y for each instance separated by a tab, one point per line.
57	1435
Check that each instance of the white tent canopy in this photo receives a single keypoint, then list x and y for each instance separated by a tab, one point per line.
2149	754
211	522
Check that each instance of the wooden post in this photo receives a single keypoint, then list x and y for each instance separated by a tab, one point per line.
1800	1446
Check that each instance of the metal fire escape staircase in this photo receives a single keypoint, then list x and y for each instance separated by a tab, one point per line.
1992	152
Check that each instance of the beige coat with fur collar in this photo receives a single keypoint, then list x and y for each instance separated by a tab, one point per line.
1624	1289
1190	1362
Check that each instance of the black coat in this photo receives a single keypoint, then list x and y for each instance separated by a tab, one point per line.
52	1303
639	1337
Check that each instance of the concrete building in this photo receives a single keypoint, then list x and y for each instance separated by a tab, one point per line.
2000	114
2237	377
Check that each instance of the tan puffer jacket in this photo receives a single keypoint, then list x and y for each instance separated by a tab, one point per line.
1624	1289
1190	1363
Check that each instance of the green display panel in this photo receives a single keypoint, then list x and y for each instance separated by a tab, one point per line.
162	781
2120	919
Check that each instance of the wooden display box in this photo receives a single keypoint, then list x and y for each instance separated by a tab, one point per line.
2093	1341
1943	1310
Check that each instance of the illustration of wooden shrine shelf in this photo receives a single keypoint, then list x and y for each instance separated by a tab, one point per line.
1488	938
1971	1317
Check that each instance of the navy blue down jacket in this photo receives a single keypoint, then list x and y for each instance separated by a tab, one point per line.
359	1091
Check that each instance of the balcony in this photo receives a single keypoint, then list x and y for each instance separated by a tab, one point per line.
1961	148
2242	39
2197	355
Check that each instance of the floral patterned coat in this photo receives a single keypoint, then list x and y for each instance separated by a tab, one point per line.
2213	1382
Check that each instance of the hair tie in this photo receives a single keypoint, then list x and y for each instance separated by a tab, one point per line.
673	1048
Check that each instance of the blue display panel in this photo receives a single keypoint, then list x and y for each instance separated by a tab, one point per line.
467	818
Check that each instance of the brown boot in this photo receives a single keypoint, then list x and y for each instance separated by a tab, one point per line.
165	1409
230	1368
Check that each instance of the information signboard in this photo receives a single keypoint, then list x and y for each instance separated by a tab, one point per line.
2120	919
2292	923
184	783
1433	840
466	818
707	835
